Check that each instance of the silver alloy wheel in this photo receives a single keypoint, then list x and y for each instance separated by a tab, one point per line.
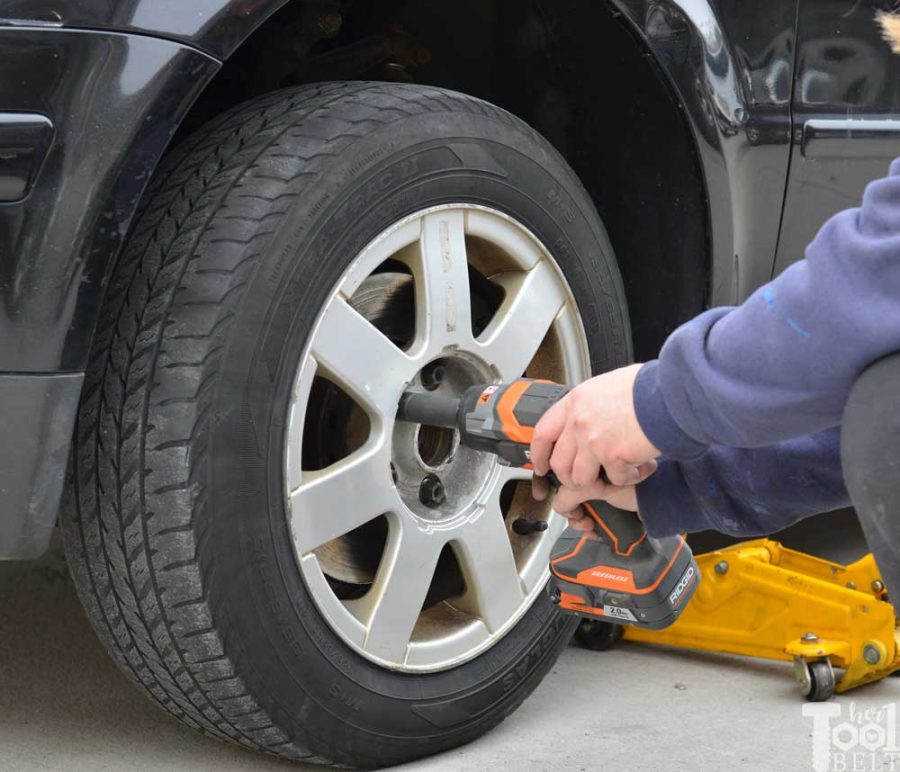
394	616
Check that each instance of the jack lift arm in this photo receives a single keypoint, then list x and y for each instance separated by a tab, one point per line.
760	599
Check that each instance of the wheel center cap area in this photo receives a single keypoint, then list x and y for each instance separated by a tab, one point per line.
438	479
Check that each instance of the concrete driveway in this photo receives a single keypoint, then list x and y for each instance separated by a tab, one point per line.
64	706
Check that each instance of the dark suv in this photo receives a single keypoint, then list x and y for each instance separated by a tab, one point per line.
233	232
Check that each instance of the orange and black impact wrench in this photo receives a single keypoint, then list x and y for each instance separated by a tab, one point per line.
624	576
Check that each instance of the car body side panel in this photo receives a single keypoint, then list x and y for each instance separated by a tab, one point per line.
215	26
846	113
732	71
84	119
38	415
114	101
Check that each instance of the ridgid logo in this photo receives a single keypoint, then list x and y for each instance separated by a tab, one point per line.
850	738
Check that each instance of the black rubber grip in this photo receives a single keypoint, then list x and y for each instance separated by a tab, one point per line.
429	409
622	529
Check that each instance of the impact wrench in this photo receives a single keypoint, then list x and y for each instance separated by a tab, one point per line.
624	575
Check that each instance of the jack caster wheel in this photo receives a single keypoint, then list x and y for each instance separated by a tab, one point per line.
816	679
598	636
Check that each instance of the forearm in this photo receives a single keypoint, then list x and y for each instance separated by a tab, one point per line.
782	364
745	492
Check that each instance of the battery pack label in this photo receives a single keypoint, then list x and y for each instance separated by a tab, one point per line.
618	613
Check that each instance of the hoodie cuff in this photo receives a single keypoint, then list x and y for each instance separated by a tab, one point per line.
655	419
666	504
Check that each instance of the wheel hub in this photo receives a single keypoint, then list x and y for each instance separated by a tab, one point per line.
423	455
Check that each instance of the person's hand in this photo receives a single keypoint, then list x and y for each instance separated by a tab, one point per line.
593	426
567	501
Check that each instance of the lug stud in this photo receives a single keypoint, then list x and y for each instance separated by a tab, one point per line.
432	375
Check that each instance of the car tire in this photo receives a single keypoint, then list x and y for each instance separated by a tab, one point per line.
178	529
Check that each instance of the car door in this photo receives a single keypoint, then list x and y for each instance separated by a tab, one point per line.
846	112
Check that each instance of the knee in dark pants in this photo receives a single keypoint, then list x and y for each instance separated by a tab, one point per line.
870	455
870	435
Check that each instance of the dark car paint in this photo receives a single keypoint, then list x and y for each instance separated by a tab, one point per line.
24	142
846	114
732	72
115	99
217	27
37	414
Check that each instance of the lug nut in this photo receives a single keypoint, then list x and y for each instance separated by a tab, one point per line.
809	638
431	491
878	585
433	375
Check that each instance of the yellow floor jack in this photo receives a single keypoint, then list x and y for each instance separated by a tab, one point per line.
761	599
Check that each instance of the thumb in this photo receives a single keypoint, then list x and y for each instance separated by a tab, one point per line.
645	470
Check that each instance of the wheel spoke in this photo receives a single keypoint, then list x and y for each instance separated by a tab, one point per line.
507	474
494	590
443	316
533	300
333	501
392	606
361	359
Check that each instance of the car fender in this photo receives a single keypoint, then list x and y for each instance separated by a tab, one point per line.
734	90
217	27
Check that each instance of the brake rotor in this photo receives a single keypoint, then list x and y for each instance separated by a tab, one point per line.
337	426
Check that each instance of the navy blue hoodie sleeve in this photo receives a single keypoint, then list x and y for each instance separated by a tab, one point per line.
782	364
745	491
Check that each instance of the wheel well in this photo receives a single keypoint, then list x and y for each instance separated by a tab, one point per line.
572	69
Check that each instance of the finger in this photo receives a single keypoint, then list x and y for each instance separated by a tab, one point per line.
583	525
620	473
546	433
576	524
645	470
540	488
579	520
623	498
569	498
575	516
562	457
585	467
